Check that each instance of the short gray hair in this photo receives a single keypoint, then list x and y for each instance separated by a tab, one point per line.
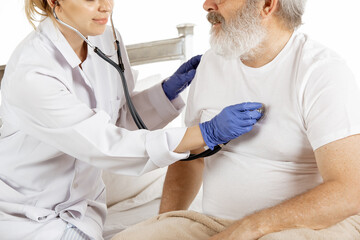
291	12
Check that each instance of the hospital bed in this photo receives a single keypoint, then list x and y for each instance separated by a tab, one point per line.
134	199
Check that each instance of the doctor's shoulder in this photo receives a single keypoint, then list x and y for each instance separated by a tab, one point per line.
32	57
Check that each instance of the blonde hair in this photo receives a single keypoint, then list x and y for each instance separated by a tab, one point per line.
33	8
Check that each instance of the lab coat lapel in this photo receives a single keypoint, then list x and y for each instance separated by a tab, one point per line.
99	80
48	29
96	72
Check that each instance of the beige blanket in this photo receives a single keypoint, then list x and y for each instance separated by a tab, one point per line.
189	225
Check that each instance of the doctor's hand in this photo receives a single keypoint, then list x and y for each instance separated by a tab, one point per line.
230	123
181	78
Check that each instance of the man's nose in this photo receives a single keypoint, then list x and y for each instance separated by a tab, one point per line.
211	5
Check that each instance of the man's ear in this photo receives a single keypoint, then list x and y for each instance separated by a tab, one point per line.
269	7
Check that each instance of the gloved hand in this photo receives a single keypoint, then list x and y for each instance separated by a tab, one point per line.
230	123
181	78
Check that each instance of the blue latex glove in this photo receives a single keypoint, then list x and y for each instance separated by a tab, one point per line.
230	123
181	78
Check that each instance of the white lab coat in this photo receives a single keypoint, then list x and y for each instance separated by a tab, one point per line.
60	128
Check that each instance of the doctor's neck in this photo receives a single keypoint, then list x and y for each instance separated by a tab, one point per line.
76	42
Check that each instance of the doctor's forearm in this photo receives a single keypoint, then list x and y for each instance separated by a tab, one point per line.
321	207
192	140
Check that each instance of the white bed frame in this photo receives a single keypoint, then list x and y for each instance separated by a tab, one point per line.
179	48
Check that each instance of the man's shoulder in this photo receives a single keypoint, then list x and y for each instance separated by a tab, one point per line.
210	55
313	51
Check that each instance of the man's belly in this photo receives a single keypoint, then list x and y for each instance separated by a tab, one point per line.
238	186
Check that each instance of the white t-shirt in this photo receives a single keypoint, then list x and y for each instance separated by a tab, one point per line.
311	99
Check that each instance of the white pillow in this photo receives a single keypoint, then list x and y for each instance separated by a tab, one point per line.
121	187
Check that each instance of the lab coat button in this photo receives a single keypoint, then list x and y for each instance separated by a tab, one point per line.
42	218
75	185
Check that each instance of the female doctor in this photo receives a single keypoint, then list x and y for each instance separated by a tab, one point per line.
65	118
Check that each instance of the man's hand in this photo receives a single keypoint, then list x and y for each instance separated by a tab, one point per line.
238	231
321	207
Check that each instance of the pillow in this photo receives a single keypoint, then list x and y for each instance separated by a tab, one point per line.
121	187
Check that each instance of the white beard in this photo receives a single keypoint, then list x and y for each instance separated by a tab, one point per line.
241	37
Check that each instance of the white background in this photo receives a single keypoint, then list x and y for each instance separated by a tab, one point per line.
334	23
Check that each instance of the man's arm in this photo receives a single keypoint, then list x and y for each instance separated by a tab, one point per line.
182	183
325	205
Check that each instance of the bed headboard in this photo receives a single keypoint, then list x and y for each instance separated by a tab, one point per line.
179	48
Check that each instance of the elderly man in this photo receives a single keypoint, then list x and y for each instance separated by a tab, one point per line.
297	174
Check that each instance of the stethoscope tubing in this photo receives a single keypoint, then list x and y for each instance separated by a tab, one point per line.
137	119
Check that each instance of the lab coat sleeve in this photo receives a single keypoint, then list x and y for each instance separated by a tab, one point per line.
154	108
47	110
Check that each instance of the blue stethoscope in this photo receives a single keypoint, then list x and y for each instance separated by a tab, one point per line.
121	69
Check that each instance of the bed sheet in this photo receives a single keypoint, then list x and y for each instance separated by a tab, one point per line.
140	208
